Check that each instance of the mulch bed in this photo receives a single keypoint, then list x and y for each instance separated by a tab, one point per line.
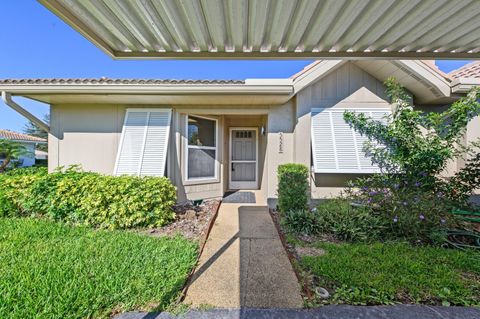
191	221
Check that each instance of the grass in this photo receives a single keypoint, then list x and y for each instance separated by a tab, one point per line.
50	270
384	273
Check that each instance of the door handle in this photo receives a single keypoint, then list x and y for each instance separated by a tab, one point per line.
233	169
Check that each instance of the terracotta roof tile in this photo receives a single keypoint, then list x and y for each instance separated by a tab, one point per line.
108	81
9	135
470	70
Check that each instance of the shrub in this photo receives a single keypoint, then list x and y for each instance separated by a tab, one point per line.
340	219
292	187
408	210
300	222
14	189
460	187
88	198
412	150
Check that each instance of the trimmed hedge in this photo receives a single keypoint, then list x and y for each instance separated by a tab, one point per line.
88	198
292	187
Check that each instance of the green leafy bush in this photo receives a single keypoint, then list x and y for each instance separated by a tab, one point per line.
459	187
408	210
300	222
14	189
412	149
340	219
88	198
292	187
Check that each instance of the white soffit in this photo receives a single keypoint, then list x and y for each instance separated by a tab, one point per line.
255	29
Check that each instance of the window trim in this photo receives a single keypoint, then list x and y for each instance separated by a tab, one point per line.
198	180
316	170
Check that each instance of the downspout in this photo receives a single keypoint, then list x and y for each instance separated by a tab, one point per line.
7	98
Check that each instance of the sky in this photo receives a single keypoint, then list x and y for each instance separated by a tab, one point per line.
38	44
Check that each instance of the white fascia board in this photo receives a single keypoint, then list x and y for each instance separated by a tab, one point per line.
315	73
463	85
172	89
428	74
280	81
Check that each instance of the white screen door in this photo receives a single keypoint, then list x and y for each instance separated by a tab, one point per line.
243	158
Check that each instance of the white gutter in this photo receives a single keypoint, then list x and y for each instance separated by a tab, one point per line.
463	85
251	86
7	98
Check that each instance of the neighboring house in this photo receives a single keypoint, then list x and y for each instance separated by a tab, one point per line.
211	136
28	141
41	155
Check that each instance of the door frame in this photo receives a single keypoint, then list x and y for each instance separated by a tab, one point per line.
242	185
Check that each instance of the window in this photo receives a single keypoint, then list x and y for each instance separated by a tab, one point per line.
337	147
201	162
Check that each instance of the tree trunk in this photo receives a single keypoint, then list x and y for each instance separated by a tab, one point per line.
5	163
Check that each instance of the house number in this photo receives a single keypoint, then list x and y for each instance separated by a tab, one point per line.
280	143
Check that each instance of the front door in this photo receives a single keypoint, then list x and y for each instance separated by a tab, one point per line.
243	158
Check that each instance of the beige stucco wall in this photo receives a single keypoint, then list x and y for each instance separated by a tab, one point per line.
87	135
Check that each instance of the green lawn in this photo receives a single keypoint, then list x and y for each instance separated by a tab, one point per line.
49	270
382	273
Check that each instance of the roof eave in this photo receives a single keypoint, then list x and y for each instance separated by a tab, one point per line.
261	87
463	85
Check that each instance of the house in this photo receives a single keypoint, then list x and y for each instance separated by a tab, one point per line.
41	155
30	142
210	136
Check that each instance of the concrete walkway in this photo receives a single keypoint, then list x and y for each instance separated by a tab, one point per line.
244	263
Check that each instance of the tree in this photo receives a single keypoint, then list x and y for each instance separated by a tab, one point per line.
34	130
11	150
412	150
414	143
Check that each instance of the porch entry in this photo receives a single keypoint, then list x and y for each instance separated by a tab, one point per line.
243	158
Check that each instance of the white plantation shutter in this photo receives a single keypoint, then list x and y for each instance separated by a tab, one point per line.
144	142
338	148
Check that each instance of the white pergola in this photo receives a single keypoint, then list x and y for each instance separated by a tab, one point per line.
266	29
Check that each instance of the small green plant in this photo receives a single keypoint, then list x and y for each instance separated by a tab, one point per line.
340	219
301	222
292	187
92	199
